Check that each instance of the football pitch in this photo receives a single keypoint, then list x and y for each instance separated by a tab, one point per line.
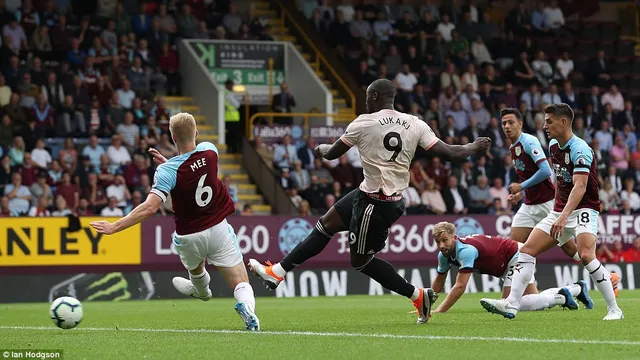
353	327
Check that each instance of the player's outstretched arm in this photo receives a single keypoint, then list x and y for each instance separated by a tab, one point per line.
136	216
543	173
456	291
332	152
458	153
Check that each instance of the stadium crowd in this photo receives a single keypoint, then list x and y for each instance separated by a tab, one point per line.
455	67
81	97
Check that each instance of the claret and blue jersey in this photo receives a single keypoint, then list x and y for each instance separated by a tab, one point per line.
529	160
481	253
575	157
200	200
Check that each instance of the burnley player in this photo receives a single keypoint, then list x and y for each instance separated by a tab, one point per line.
533	169
201	204
575	213
497	257
387	141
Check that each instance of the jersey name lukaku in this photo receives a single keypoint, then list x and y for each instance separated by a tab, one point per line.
575	157
200	200
387	141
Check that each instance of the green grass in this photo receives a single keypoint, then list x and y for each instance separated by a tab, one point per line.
116	330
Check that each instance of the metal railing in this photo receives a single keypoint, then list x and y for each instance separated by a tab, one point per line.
304	116
318	60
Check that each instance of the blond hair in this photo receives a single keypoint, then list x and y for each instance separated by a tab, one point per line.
183	128
442	229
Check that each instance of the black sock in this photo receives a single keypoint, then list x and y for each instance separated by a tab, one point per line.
384	273
308	248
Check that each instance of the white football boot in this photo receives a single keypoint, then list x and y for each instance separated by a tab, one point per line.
614	314
186	288
500	307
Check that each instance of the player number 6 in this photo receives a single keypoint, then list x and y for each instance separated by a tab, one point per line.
203	190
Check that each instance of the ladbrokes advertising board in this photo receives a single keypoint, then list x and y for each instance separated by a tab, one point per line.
48	242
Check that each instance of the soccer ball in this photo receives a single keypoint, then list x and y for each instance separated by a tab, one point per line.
66	312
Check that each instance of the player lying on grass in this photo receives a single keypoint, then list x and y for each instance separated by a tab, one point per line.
201	204
387	141
575	214
497	257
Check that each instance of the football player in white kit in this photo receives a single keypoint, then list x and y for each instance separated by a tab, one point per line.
387	141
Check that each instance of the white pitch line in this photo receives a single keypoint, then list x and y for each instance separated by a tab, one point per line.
344	334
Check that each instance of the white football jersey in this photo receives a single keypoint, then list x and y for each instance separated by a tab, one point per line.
387	141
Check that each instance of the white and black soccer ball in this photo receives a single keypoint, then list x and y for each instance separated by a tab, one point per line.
66	312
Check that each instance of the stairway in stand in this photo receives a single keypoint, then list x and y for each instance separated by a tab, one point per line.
280	32
230	164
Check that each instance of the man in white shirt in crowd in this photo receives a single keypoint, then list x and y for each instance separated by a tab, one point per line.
40	156
553	15
112	209
18	194
285	154
613	97
445	28
564	66
406	80
119	191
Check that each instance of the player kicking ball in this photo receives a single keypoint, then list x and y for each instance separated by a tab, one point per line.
387	140
497	257
534	172
575	213
201	204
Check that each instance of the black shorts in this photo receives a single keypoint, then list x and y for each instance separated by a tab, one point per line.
370	222
344	207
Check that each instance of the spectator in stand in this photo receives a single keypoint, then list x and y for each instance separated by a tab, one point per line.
169	67
112	209
467	97
187	23
285	154
460	117
41	189
94	151
129	132
626	117
28	170
136	199
564	67
231	188
118	155
500	192
40	208
84	209
95	193
551	97
480	196
609	198
300	176
598	72
19	196
445	28
5	173
247	210
165	147
620	154
613	255
539	20
344	173
15	34
306	154
630	139
554	17
632	254
432	199
283	102
119	191
455	197
40	156
4	207
614	98
581	131
413	202
5	92
126	94
70	192
629	195
604	136
17	151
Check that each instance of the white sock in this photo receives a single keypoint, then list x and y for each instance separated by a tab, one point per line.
243	293
527	264
574	289
576	256
278	270
601	278
416	293
201	282
535	302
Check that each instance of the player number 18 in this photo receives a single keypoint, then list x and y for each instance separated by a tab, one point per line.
203	190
